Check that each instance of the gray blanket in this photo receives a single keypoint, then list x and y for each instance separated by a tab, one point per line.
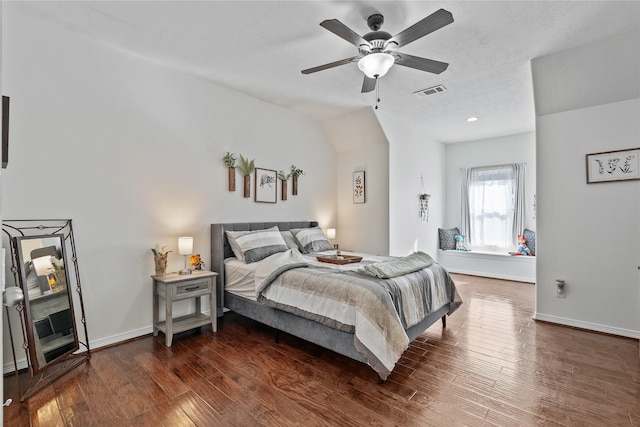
375	310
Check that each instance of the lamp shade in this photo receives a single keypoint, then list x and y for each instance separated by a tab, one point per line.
376	65
185	245
331	233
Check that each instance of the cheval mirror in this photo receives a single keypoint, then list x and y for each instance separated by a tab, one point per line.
48	312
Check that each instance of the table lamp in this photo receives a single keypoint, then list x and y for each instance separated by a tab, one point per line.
331	234
185	247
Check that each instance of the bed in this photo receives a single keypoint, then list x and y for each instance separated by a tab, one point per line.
342	339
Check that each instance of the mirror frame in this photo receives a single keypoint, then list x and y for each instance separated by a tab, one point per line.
22	276
52	371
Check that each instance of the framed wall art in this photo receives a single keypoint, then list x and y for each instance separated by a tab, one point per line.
609	166
266	186
358	187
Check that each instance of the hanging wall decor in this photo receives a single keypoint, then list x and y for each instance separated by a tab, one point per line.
424	202
424	207
246	168
230	162
295	173
283	179
358	187
266	186
619	165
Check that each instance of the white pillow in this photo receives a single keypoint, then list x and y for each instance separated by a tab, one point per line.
311	240
256	245
289	239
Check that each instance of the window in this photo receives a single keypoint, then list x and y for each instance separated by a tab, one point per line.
492	206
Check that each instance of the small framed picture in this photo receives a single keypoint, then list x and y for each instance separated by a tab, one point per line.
266	186
619	165
358	187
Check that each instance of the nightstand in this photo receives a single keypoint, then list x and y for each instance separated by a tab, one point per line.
176	287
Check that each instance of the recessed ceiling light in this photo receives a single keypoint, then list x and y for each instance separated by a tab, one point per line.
472	119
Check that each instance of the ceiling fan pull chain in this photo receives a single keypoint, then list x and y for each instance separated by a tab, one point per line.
377	92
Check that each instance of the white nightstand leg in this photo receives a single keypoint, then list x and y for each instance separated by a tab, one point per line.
169	316
156	309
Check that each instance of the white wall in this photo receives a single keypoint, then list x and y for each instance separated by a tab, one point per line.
361	146
487	152
132	153
412	153
588	234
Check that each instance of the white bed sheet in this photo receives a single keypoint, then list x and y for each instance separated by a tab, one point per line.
240	277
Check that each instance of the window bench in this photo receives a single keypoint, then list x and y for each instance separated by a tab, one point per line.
490	264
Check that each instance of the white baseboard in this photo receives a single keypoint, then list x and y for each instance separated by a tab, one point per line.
94	345
587	325
102	342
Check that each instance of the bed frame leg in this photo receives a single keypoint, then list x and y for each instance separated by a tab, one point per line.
444	321
380	381
277	338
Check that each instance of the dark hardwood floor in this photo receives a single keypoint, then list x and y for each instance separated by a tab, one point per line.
491	365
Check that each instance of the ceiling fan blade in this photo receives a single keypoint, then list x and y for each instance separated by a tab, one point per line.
422	64
341	30
431	23
330	65
368	84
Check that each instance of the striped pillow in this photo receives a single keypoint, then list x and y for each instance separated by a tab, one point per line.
252	246
311	239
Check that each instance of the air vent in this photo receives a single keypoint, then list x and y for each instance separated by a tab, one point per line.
430	91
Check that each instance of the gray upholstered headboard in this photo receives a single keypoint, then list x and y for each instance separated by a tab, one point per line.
220	249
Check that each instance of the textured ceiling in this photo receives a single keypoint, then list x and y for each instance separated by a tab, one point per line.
259	47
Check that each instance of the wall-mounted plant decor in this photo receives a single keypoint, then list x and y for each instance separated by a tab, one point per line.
246	168
283	178
295	173
358	187
619	165
230	162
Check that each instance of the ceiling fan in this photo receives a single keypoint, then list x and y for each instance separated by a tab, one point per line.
377	49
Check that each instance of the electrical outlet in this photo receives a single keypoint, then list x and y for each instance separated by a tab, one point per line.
560	289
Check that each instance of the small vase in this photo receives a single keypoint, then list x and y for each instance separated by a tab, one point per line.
284	189
247	186
161	264
232	179
294	185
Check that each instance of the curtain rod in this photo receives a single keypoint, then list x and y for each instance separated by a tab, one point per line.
493	166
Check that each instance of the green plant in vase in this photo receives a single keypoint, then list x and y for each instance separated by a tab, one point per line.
295	173
229	160
284	178
246	168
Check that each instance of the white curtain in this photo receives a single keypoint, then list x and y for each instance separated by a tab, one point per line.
493	205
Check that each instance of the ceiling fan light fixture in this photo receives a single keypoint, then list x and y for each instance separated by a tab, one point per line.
376	65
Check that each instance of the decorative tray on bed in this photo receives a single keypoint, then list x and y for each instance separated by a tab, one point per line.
342	259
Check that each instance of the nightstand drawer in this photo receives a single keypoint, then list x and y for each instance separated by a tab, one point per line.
192	287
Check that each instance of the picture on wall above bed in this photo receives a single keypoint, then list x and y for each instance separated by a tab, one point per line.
266	186
358	187
619	165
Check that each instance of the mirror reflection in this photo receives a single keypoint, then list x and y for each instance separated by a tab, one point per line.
48	302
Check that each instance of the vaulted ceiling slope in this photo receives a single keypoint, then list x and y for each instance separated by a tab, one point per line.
260	47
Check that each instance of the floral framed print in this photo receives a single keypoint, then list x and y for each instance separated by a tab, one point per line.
358	187
266	186
619	165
